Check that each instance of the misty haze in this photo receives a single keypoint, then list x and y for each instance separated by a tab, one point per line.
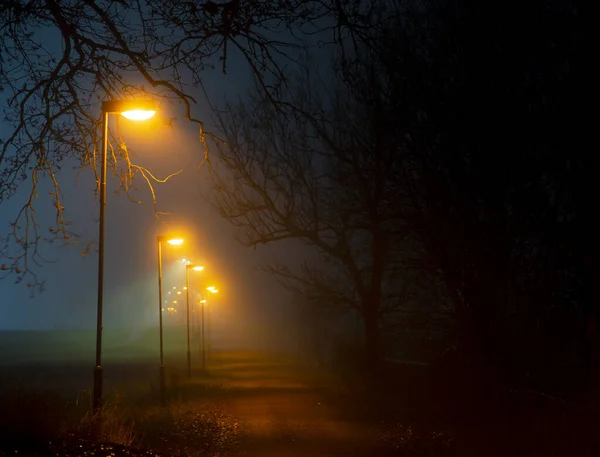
298	228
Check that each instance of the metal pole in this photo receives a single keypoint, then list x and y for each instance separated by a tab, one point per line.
160	326
187	299
98	377
194	323
198	328
203	340
208	332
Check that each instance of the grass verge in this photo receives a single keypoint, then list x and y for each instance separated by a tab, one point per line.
40	423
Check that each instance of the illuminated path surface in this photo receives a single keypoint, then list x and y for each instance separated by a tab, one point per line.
263	404
260	404
282	413
291	424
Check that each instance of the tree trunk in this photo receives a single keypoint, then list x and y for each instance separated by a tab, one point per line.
589	254
593	337
372	301
372	342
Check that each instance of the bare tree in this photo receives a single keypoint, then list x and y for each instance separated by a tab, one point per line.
317	171
59	59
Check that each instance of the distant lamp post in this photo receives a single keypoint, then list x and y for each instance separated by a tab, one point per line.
188	267
134	110
212	290
159	242
199	304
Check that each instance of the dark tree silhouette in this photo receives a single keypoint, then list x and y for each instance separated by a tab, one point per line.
497	174
475	148
317	172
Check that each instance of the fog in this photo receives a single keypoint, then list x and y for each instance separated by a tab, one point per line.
250	307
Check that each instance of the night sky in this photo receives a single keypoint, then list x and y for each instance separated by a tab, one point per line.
69	299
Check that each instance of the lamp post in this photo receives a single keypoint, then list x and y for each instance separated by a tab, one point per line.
194	322
199	304
203	302
188	267
212	290
134	110
208	333
173	242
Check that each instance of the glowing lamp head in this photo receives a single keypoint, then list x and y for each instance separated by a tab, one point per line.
175	241
138	114
197	268
135	110
212	289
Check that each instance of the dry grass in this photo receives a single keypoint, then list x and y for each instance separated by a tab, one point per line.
30	421
113	423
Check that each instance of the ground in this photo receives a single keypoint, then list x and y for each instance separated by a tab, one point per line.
253	403
267	405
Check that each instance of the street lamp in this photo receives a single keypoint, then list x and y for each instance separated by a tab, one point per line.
172	242
212	290
134	110
198	328
188	267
